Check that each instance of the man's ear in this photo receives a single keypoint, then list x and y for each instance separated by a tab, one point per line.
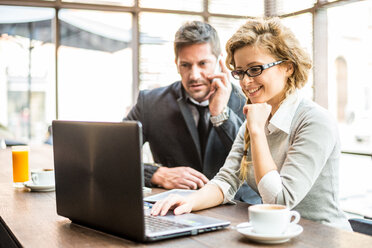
175	61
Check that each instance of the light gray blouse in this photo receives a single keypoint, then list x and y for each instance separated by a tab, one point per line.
307	156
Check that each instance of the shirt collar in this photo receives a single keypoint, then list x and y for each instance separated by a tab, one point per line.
203	103
282	119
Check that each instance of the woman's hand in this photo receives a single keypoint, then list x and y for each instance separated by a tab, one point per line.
257	115
179	203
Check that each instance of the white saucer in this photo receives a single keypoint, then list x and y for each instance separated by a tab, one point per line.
246	229
43	188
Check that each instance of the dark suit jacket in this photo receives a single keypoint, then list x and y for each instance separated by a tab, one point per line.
169	127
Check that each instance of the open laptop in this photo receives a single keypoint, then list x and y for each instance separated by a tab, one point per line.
99	181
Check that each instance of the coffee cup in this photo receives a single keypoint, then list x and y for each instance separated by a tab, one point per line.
42	177
271	219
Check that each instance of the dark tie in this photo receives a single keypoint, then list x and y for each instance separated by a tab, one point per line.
203	128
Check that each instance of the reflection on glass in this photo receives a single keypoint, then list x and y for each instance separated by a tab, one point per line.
95	65
350	66
302	27
106	2
27	88
237	7
157	67
187	5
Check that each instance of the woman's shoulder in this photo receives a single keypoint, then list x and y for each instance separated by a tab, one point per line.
312	115
310	110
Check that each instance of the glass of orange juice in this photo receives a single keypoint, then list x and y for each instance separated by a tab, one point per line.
20	165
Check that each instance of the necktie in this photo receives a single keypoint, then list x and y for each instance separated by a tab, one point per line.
203	128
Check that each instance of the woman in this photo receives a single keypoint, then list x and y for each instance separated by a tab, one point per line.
288	149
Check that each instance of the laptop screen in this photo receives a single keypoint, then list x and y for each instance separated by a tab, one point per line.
99	173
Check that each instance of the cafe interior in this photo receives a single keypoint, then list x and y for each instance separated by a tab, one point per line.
87	60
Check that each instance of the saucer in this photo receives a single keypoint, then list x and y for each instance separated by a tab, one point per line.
247	230
42	188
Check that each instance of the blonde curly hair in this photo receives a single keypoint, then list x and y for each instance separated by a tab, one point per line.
279	41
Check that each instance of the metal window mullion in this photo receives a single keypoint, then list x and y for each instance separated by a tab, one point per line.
56	38
135	53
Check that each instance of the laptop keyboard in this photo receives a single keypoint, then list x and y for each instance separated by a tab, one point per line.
156	224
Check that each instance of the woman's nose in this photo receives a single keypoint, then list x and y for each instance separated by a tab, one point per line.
245	81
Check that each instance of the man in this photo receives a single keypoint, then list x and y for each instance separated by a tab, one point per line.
191	124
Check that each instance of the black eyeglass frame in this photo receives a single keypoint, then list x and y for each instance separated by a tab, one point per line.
239	74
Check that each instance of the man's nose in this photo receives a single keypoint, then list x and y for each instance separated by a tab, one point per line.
195	73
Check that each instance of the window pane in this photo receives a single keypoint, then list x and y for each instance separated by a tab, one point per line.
302	27
187	5
237	7
157	67
27	72
95	65
350	66
350	94
107	2
225	27
289	6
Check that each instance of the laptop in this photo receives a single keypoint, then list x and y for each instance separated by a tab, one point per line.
99	183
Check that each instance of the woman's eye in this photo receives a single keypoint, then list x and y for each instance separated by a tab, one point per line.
254	69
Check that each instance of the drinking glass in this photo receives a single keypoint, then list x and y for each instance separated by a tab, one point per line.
20	165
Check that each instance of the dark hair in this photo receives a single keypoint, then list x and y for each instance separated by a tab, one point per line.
197	32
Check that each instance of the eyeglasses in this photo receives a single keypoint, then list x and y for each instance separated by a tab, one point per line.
253	71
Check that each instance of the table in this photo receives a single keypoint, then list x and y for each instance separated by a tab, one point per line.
31	218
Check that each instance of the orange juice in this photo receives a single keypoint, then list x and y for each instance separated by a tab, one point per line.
20	165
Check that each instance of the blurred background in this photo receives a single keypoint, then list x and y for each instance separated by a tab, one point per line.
87	60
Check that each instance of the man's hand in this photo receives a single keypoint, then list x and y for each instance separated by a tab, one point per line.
220	90
179	178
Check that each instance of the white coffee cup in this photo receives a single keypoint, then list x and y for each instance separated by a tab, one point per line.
271	219
42	176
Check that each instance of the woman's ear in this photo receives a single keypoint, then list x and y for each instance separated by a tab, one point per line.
289	68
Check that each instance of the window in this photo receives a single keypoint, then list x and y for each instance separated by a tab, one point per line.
27	88
349	72
186	5
350	64
157	67
301	26
94	62
237	7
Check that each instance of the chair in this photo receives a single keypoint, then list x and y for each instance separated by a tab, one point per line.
361	225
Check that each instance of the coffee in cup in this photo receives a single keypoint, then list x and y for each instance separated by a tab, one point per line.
42	176
271	219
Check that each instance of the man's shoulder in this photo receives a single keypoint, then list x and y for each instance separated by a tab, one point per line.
237	98
161	91
237	91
